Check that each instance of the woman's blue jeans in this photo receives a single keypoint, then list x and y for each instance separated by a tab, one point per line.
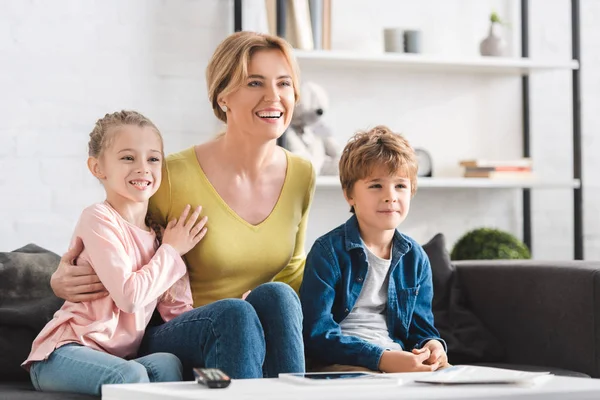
253	338
79	369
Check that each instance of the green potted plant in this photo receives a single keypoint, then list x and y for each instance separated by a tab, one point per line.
489	244
494	44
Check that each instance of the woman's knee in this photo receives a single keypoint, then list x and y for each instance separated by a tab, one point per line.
237	313
275	295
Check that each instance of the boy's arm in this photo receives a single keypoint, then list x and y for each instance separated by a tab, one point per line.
421	329
323	339
129	289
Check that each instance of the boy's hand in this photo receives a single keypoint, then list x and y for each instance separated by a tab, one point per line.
437	356
405	361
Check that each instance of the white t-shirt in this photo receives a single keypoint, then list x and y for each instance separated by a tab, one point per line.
367	320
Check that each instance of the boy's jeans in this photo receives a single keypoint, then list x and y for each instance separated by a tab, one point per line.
261	336
79	369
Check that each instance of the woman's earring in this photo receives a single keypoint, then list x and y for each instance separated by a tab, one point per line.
224	108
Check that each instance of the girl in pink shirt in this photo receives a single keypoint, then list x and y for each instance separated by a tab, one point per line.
92	343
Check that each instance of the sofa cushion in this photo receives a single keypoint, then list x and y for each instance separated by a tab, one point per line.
25	391
26	305
467	338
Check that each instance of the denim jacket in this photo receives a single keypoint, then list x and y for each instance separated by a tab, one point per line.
335	271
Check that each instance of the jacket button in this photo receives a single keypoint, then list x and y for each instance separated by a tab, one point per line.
359	279
346	310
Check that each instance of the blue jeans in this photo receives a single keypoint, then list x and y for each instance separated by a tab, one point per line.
255	338
80	369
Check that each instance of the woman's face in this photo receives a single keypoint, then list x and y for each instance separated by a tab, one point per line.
264	104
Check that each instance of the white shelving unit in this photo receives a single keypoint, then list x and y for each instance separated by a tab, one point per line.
426	63
333	182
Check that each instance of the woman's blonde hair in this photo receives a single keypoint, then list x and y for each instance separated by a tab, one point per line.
228	67
378	147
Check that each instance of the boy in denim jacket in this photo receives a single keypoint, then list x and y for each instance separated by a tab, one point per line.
367	289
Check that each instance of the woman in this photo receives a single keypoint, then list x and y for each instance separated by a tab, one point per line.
256	196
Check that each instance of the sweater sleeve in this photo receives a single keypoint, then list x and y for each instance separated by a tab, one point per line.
293	272
180	302
131	290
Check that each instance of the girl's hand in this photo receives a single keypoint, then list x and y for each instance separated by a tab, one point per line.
76	283
183	234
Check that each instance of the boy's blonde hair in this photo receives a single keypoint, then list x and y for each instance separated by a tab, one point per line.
228	68
103	133
378	147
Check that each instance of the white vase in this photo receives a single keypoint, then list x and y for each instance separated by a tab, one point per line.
493	45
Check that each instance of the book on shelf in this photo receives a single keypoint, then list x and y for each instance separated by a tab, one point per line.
255	16
298	25
500	174
316	19
498	169
480	163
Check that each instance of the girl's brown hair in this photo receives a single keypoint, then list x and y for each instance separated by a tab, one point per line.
377	147
228	67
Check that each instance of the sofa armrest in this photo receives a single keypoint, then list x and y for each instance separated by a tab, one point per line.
544	313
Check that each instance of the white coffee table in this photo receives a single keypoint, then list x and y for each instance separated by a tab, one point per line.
274	389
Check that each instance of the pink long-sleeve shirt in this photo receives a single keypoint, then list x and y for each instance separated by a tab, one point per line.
135	273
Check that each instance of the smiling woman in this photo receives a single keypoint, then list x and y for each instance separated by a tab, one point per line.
256	196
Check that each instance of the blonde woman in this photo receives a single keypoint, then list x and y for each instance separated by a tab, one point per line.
256	196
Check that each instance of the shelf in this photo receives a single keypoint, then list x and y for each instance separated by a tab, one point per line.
468	183
430	63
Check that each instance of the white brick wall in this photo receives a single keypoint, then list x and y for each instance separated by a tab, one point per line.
67	62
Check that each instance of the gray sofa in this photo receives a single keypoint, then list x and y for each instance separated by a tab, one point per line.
521	314
545	314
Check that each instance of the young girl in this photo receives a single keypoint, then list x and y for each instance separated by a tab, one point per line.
89	344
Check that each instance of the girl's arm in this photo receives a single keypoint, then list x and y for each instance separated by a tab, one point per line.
131	290
177	300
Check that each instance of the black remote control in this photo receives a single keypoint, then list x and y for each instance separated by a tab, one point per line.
213	378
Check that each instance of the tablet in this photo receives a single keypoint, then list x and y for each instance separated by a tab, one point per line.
340	378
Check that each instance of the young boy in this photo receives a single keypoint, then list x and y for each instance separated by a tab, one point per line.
367	288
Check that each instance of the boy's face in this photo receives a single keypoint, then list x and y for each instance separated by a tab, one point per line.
381	201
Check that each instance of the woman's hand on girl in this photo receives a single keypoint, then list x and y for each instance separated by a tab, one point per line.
76	283
184	233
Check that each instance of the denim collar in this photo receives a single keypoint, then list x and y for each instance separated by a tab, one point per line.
401	245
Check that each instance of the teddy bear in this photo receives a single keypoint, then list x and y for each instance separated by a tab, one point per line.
307	135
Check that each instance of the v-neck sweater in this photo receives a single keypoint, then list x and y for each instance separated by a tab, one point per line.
236	256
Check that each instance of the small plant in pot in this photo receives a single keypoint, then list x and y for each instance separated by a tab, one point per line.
494	44
489	244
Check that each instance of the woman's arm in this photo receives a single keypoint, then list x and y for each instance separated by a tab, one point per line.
76	283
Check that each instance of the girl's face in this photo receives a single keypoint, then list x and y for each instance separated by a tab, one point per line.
264	104
130	168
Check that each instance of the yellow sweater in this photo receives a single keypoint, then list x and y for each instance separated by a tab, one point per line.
236	256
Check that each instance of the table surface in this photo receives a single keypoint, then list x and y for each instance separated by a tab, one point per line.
554	387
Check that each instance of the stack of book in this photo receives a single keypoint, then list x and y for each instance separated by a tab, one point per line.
498	169
306	24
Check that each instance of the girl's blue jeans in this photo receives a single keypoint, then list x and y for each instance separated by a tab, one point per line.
79	369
